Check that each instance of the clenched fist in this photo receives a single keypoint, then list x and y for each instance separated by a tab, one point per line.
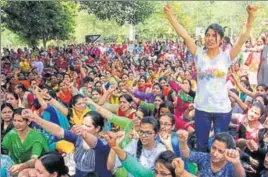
232	155
252	10
178	164
168	10
182	135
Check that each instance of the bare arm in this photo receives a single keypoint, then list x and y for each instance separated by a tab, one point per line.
111	160
90	139
104	97
104	112
59	106
239	170
239	101
40	99
180	30
17	168
242	88
184	149
245	34
52	128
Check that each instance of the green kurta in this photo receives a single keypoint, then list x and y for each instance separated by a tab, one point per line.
127	125
34	145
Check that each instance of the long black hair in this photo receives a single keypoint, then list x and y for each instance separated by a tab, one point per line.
217	28
147	120
54	162
165	158
166	104
97	119
227	139
7	105
73	101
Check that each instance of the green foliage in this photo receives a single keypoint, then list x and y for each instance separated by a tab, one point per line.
89	24
122	12
8	38
40	20
108	19
158	27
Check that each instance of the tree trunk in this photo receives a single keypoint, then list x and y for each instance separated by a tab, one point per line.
44	43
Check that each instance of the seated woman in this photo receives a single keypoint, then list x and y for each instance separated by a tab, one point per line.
149	96
223	160
166	163
169	138
6	121
13	99
24	144
91	151
185	96
152	107
255	153
124	108
146	149
129	127
166	136
50	164
249	124
49	109
78	109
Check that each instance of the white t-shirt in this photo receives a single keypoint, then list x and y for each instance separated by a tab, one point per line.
212	93
147	158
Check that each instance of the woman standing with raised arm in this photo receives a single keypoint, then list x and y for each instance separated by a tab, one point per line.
211	102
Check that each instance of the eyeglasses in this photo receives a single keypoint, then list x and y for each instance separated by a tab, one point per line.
157	173
146	133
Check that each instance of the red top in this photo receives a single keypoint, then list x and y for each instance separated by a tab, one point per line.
121	113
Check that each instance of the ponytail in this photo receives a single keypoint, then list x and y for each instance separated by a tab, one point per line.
139	149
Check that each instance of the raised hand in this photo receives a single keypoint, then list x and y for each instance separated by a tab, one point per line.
112	88
133	135
45	94
232	155
168	10
79	130
252	10
165	138
28	114
88	101
182	135
113	138
36	90
178	164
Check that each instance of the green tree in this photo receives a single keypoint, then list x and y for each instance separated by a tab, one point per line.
40	20
122	12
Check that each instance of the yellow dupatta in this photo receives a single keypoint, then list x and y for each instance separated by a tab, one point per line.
77	118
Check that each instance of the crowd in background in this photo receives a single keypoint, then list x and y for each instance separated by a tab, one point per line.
142	109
